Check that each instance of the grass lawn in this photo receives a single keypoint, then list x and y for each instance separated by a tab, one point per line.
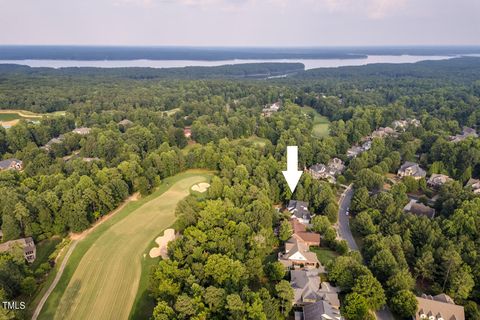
103	278
324	255
320	124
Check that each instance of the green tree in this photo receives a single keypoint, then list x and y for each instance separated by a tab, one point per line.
355	307
360	200
320	224
285	293
276	271
369	287
215	298
285	231
404	303
363	224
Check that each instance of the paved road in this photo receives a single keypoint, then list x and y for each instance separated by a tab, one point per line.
343	220
345	233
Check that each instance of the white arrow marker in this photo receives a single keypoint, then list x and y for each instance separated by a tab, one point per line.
292	175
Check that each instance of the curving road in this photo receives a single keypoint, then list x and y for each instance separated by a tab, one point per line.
343	220
345	233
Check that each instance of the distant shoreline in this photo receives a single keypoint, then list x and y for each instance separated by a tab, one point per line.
180	63
206	54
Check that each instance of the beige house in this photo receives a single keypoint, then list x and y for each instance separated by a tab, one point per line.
82	131
411	169
438	180
474	184
297	254
11	164
27	244
439	307
267	111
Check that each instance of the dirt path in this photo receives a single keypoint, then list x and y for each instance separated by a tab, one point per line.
76	237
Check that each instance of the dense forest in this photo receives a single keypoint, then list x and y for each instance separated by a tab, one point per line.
222	266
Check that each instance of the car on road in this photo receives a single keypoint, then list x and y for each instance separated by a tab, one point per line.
347	212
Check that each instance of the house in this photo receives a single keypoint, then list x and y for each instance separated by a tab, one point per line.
403	124
301	233
466	133
82	131
354	151
439	307
297	254
27	244
299	211
400	124
474	184
305	285
125	123
267	111
187	132
11	164
319	301
51	142
329	172
383	132
419	209
367	145
411	169
438	180
321	310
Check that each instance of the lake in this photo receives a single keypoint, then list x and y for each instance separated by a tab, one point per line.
309	63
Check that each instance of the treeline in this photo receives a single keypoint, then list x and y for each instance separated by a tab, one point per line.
240	71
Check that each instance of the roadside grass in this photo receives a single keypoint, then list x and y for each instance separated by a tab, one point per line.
50	307
324	255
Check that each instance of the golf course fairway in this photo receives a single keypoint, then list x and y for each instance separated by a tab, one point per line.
104	283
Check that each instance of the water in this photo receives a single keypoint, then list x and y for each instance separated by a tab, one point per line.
309	63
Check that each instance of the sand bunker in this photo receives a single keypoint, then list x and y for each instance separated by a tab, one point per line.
201	187
168	235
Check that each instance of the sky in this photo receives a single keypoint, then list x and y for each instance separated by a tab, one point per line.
285	23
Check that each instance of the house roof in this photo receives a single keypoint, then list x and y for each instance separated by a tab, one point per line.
299	209
417	171
438	179
5	164
125	122
295	245
320	310
419	209
81	130
474	183
26	243
440	306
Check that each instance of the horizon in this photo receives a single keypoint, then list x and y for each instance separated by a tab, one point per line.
241	23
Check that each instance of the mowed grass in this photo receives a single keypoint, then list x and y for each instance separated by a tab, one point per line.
320	123
324	255
103	275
